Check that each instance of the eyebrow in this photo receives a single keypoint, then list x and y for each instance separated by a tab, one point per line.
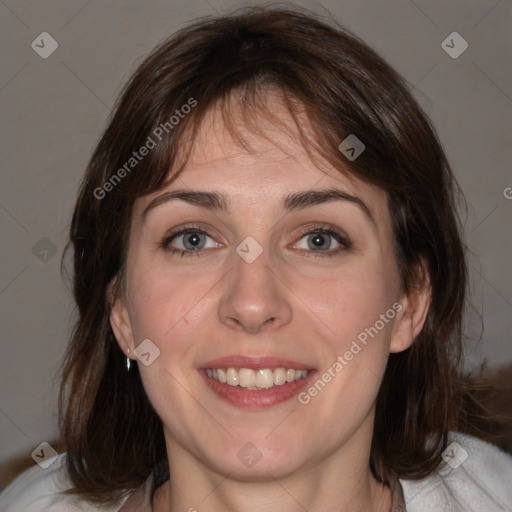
296	201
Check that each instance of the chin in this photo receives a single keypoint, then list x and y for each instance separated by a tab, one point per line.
258	460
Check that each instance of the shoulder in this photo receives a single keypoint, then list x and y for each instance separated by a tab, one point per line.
475	477
38	490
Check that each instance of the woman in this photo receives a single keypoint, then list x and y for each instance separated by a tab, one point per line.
270	281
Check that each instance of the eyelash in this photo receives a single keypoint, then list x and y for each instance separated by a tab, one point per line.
343	240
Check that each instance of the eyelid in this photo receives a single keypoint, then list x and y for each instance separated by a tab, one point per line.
322	226
327	229
184	229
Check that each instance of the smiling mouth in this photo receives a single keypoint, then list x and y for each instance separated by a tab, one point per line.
256	379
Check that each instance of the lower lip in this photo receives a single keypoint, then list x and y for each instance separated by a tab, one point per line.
256	399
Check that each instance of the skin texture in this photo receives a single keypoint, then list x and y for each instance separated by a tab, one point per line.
288	303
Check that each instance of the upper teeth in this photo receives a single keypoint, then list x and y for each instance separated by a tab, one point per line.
262	378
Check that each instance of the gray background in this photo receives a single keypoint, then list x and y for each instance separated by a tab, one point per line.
54	110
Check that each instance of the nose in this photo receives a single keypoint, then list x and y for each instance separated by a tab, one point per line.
253	298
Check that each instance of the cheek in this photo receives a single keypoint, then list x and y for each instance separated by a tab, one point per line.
165	306
357	318
350	301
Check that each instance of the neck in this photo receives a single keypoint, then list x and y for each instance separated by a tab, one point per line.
342	481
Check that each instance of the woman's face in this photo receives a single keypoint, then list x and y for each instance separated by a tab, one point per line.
282	267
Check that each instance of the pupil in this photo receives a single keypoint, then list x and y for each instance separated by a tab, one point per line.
318	240
193	240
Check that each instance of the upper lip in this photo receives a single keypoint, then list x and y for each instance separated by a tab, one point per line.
254	362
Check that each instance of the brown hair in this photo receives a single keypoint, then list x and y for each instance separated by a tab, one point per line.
113	437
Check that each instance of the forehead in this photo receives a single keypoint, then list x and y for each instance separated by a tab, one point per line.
256	157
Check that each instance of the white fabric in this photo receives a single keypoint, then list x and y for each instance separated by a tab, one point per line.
40	490
480	483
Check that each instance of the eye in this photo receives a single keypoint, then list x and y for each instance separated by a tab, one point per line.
188	241
193	241
324	240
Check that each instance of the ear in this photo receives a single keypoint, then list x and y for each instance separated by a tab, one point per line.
411	317
120	319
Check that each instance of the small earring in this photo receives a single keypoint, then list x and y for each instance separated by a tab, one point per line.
128	361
